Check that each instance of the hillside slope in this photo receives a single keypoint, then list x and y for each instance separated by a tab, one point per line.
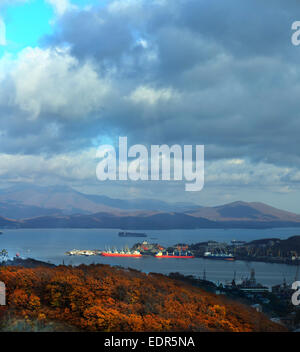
243	211
104	298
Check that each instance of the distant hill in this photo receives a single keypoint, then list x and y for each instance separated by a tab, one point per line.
243	211
291	244
157	221
106	220
27	200
30	206
20	211
9	223
55	199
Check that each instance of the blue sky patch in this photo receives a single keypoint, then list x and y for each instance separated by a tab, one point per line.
26	23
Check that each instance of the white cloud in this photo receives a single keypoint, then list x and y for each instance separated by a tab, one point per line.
143	43
53	82
2	32
237	172
144	94
236	161
295	176
123	6
60	6
61	167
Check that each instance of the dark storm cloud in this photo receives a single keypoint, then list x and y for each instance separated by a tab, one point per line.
223	74
249	28
93	35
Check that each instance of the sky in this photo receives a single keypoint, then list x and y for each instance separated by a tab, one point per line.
78	74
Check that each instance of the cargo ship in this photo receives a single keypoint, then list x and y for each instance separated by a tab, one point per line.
85	252
176	254
131	234
116	253
220	256
248	285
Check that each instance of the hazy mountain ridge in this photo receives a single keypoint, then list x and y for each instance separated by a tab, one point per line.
55	200
31	206
244	211
62	200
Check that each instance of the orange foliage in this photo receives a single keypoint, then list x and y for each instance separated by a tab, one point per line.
104	298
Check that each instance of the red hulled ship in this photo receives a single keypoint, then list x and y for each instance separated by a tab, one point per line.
121	253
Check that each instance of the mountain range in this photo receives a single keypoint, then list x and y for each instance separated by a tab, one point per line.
27	200
31	206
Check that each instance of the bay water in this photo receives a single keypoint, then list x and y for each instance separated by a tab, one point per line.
50	245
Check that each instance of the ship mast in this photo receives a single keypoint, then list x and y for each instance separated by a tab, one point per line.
297	271
204	274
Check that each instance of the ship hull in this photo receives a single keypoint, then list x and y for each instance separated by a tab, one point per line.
220	258
175	256
120	255
131	234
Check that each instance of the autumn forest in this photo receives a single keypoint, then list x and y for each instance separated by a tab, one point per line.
103	298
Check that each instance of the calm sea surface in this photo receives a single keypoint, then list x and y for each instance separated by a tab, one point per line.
51	244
